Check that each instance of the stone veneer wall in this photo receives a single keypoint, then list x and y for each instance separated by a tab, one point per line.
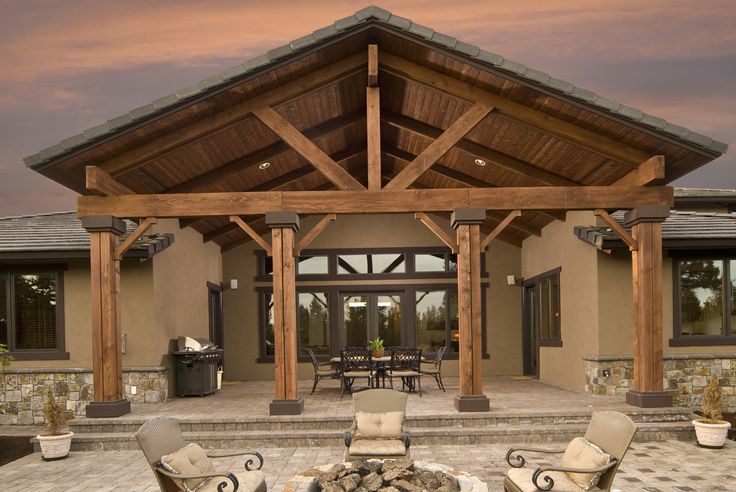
686	376
21	401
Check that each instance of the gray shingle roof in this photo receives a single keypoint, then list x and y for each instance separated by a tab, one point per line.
681	229
63	232
386	18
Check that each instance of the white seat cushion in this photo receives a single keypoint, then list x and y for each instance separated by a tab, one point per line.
383	425
377	447
522	478
250	481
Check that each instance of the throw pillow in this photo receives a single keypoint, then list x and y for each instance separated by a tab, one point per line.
189	460
581	453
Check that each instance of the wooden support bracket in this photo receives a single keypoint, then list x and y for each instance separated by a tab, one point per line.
98	182
436	230
499	229
252	233
316	230
130	240
616	227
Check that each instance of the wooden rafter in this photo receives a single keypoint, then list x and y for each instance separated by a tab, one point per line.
307	149
130	240
373	120
98	182
499	229
365	201
252	233
517	166
617	229
207	125
429	156
569	132
437	230
651	171
313	233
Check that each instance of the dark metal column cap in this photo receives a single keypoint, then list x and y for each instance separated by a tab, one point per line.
465	216
646	213
104	223
282	219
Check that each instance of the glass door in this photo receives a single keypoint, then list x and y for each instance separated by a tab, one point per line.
370	315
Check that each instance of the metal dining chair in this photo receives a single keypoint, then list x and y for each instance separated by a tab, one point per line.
434	367
355	362
405	364
322	369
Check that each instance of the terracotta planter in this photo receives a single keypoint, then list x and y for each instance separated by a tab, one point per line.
711	435
55	447
377	353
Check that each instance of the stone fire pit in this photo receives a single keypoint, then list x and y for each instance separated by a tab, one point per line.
400	475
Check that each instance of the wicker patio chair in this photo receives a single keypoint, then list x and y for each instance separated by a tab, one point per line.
161	436
434	368
610	431
378	429
355	362
405	364
322	370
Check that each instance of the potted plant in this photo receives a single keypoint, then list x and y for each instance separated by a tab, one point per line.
55	442
711	430
376	347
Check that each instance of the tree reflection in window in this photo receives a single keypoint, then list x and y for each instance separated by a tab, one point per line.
701	297
313	319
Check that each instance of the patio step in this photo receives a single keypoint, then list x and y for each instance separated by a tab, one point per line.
420	435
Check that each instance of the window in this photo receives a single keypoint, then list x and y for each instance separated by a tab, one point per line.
436	320
435	262
370	263
705	301
313	322
312	265
542	307
31	314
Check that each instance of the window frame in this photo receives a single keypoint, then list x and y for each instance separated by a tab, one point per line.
680	340
535	282
57	353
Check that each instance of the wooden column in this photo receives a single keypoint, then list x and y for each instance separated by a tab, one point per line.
467	221
107	367
646	262
283	225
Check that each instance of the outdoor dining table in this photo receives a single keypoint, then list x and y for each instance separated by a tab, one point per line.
379	365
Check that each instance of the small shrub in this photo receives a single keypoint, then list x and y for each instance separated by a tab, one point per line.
712	404
5	359
56	416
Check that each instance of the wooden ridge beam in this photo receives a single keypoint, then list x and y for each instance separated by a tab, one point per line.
252	233
233	114
522	168
372	65
499	229
569	132
649	172
98	182
313	233
430	155
130	240
307	149
437	230
617	229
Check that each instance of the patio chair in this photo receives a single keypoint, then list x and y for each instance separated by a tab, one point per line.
405	364
355	362
378	429
434	368
322	369
181	466
582	465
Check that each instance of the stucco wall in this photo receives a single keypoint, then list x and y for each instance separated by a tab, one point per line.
503	304
558	247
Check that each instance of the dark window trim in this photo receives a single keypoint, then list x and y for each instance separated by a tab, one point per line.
680	340
533	281
59	353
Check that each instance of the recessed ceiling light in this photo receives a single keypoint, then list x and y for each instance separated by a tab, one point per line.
480	162
264	165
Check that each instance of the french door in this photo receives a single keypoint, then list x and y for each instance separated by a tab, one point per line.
367	315
530	340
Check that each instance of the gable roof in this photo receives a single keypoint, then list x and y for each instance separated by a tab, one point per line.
205	137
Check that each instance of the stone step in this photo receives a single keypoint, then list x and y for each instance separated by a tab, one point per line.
420	436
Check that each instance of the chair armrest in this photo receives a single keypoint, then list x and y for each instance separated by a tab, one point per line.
406	439
539	472
181	476
248	463
520	461
348	438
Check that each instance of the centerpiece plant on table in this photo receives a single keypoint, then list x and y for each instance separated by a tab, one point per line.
376	347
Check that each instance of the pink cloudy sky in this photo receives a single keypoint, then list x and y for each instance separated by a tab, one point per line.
70	65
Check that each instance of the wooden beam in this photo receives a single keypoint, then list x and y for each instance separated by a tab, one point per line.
519	167
233	114
130	240
429	200
436	230
223	172
616	228
649	172
307	149
313	233
569	132
98	182
499	228
373	129
517	225
372	65
429	156
253	234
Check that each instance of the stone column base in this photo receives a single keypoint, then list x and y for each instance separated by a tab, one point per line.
472	403
649	399
106	409
286	407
